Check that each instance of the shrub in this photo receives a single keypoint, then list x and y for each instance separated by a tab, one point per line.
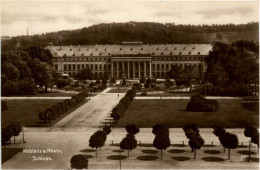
144	94
9	88
106	129
16	127
153	85
132	128
27	87
160	129
62	83
7	133
68	87
79	162
115	116
3	105
146	85
199	104
218	131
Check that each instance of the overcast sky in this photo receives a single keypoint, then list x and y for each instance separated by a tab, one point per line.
41	17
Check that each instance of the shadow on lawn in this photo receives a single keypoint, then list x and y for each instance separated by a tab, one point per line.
87	156
213	159
149	151
253	159
176	151
115	144
8	153
87	150
178	145
120	150
147	158
246	152
180	158
145	145
116	157
212	152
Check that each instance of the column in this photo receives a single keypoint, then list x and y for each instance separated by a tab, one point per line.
145	69
133	69
117	70
128	72
150	69
123	68
139	70
112	71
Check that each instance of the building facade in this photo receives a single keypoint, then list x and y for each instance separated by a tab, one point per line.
130	60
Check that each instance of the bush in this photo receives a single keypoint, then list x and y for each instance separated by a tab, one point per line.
132	128
160	129
27	87
146	85
7	133
3	105
62	83
199	104
79	162
233	89
144	94
153	85
68	87
9	88
106	129
115	116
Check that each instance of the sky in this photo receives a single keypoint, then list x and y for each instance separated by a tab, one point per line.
50	16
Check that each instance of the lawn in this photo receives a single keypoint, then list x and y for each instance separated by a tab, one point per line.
233	113
25	111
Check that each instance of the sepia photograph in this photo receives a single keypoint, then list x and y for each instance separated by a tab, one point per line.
163	84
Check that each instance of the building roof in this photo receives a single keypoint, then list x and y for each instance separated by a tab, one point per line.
113	50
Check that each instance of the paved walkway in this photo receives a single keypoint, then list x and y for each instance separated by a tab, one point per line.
91	114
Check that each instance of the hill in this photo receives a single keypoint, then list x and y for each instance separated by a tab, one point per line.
147	32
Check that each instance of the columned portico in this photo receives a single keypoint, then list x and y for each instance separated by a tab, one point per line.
132	63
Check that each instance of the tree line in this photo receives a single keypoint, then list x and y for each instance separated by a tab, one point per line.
24	69
147	32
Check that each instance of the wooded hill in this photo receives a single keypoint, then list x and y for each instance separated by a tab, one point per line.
147	32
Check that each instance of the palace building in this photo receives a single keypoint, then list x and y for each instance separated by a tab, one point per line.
132	60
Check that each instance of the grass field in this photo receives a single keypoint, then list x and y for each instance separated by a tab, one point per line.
25	111
233	113
119	90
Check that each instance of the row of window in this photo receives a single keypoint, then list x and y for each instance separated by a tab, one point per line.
104	59
108	66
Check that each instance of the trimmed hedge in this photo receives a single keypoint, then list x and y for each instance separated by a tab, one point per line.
123	104
199	104
58	109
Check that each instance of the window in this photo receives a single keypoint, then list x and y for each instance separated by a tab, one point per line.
69	67
189	53
179	53
56	66
198	52
82	54
74	67
65	66
78	66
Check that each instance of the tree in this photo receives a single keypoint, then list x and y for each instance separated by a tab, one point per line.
42	54
128	143
250	131
97	140
16	128
79	162
42	73
7	133
160	129
85	73
191	130
132	128
161	141
229	141
106	129
219	130
196	142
